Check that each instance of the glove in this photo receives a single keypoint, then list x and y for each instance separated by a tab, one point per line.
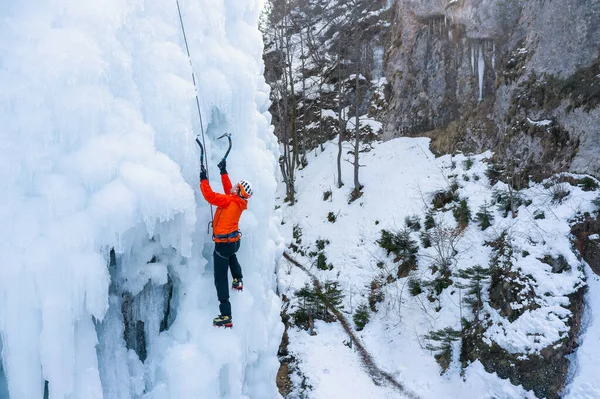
222	167
203	173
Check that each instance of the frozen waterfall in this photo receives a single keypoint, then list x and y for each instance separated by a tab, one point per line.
106	287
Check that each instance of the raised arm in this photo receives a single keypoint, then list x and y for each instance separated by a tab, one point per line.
226	183
211	197
224	176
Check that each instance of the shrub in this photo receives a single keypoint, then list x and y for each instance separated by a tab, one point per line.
326	195
321	244
376	294
331	217
439	284
361	316
588	184
412	222
597	202
355	194
443	349
322	262
484	217
502	198
468	163
501	258
538	214
429	221
414	287
494	173
558	192
425	239
443	198
399	244
307	305
297	234
462	213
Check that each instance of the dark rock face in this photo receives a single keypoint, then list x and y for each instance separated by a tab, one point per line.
545	373
519	77
588	248
512	288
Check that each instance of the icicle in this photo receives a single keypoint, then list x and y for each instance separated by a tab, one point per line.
472	59
494	56
481	69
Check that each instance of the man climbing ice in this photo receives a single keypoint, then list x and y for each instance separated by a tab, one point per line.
226	236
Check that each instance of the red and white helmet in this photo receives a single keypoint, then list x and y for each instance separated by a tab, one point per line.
244	189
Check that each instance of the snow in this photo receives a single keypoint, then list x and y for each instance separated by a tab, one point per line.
329	113
584	384
364	121
97	153
544	122
333	367
399	177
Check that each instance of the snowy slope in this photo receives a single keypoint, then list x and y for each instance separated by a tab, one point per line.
97	153
399	178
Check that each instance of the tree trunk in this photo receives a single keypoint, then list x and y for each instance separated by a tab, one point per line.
304	107
356	133
295	156
321	134
341	126
287	159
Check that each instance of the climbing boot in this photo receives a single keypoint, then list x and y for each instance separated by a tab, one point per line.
237	284
223	321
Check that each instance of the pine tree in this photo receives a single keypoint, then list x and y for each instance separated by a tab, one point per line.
331	296
476	276
501	259
361	316
462	213
400	244
429	220
484	217
445	337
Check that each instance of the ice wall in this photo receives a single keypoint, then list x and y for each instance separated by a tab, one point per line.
103	228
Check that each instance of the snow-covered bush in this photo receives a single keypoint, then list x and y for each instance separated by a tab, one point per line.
361	316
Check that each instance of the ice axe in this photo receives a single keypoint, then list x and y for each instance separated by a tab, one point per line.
202	167
228	135
201	150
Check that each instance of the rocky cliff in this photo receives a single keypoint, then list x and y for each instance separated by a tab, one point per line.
519	77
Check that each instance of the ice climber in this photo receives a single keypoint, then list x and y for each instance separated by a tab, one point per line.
226	236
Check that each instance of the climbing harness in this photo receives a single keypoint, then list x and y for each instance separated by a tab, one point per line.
231	237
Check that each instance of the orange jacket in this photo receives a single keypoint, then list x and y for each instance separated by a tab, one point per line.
229	209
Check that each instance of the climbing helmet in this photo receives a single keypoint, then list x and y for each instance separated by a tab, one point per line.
244	189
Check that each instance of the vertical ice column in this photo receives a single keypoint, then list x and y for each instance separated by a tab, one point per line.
480	70
472	59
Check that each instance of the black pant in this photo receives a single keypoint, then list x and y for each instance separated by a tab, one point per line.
224	257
